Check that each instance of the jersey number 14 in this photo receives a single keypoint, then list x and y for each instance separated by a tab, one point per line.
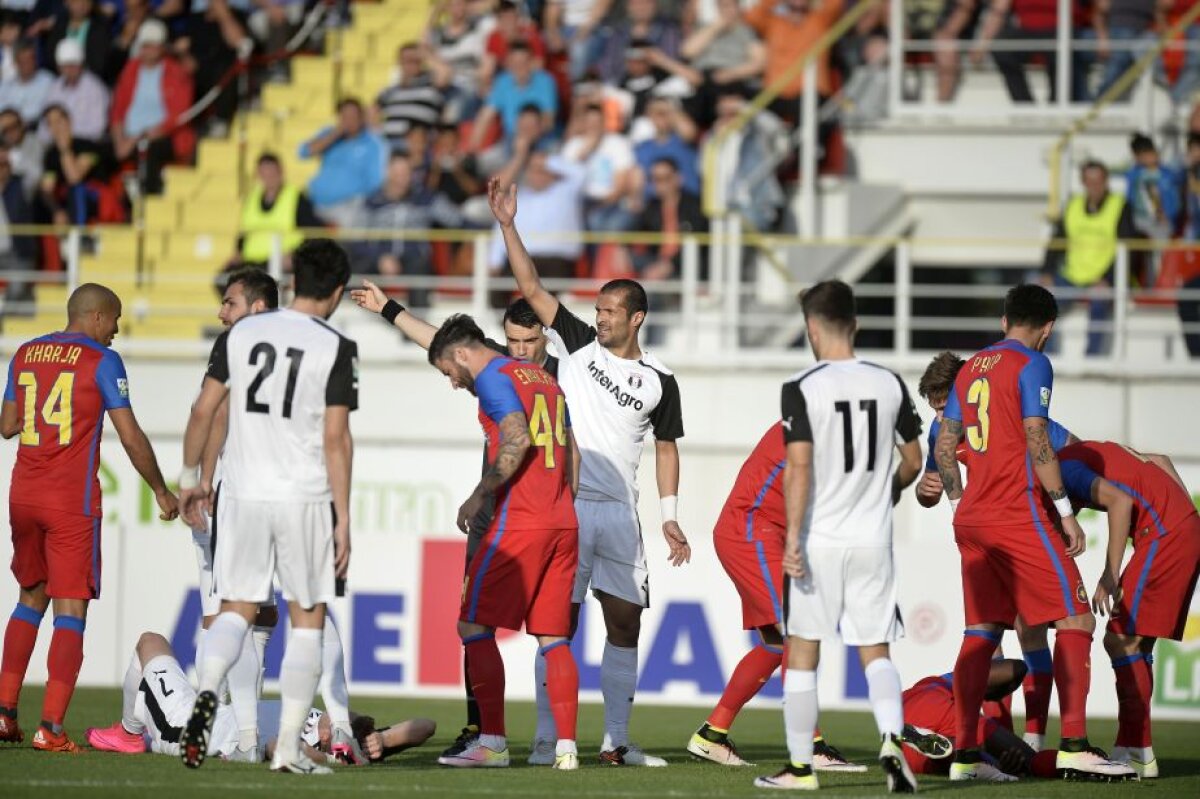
56	410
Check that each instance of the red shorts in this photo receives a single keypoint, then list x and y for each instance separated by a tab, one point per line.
522	577
1018	570
930	704
756	568
1157	584
57	548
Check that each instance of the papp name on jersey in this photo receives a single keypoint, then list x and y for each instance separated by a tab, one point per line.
624	398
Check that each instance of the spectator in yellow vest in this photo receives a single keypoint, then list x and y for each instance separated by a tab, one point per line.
272	207
1092	224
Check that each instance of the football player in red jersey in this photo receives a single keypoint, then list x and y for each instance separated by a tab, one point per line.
524	571
1016	531
749	539
59	388
1150	599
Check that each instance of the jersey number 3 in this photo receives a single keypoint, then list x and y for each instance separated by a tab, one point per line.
56	410
266	353
979	394
546	433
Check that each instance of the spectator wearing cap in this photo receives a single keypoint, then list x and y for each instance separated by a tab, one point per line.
80	92
82	23
510	27
353	159
273	207
27	88
641	23
521	84
612	182
789	29
417	98
25	150
673	133
152	93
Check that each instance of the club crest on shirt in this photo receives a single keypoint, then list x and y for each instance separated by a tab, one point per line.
635	381
1081	593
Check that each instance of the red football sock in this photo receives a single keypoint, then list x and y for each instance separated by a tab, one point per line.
1045	764
20	637
487	681
1037	688
970	684
1073	678
62	664
1000	712
754	669
562	684
1134	688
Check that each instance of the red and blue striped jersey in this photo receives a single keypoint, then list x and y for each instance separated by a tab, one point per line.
755	507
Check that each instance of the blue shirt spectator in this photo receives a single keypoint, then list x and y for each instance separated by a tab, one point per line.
672	132
352	165
1154	191
26	90
520	85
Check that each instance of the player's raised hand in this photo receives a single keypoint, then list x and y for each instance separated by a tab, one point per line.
370	297
681	550
503	201
341	548
168	505
1108	594
1073	533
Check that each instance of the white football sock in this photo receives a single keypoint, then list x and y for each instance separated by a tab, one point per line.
243	692
546	729
565	747
298	678
129	695
800	713
497	743
199	658
262	637
222	646
334	691
618	683
883	688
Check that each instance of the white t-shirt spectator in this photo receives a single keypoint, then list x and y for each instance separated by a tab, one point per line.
613	155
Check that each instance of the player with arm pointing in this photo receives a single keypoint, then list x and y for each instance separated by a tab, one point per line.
1007	526
525	340
843	421
59	388
524	571
292	382
618	394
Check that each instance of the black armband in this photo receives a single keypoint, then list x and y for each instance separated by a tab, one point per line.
391	310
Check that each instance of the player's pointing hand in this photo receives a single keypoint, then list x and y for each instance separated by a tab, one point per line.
370	297
503	202
681	550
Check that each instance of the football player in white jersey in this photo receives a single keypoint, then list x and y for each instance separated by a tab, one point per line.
157	699
292	382
618	393
843	420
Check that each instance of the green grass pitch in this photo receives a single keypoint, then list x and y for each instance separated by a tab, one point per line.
662	730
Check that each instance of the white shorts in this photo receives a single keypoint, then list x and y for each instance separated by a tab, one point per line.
164	704
849	592
203	540
612	558
256	540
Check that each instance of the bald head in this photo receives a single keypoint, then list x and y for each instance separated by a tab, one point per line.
94	311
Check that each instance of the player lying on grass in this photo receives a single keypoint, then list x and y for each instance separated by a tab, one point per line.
157	700
1147	502
935	386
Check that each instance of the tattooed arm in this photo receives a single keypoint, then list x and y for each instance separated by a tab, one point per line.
1045	464
946	457
514	445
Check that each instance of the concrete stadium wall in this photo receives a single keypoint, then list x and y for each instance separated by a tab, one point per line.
417	458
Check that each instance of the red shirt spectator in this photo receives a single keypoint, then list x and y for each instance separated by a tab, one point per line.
175	94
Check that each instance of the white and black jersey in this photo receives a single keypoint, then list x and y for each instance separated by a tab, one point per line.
854	413
614	403
283	369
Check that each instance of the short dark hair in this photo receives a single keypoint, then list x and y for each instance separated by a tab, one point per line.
831	301
940	375
1141	143
505	6
457	331
1092	163
256	285
53	107
519	46
1030	305
269	158
319	268
665	160
530	108
633	296
1193	138
520	312
354	101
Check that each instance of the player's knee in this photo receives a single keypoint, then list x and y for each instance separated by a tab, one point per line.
467	629
151	645
1084	621
1118	646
